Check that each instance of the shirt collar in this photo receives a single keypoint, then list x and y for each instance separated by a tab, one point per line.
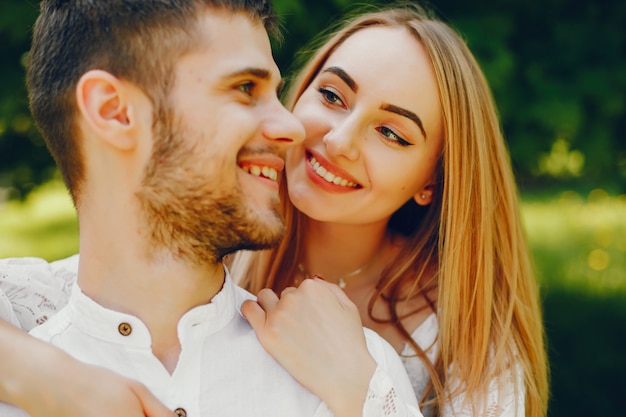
116	327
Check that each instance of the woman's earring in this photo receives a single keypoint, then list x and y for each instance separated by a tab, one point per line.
423	196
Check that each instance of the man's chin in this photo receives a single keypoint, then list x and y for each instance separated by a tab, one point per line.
267	240
257	236
251	246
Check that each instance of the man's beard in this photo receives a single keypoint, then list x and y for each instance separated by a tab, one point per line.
196	217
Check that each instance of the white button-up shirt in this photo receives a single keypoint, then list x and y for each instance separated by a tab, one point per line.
222	370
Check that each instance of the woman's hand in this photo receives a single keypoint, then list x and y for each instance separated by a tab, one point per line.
315	332
47	382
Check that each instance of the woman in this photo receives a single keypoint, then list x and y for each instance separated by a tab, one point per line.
403	195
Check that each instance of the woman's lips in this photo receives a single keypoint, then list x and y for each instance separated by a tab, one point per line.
324	173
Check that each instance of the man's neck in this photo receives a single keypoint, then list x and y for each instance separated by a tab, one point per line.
158	291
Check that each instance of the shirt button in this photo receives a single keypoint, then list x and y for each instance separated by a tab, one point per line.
180	412
125	329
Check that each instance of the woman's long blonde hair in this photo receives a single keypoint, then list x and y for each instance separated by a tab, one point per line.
469	242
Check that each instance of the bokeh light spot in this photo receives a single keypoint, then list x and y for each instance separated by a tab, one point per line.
598	260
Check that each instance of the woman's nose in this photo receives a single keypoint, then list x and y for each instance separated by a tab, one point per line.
343	139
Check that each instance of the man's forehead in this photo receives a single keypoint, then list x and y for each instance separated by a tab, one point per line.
220	26
237	44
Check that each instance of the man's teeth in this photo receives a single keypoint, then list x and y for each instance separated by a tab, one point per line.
258	171
330	177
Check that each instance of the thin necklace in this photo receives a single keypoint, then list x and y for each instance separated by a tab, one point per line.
341	280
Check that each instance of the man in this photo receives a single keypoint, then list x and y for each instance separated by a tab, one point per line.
164	120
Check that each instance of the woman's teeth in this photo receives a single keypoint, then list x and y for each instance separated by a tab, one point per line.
328	176
258	171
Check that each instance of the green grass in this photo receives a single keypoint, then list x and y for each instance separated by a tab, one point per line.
44	225
579	242
579	246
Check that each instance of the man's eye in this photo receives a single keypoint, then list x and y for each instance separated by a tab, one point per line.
247	87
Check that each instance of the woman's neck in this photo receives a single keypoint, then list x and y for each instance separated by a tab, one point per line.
333	250
342	250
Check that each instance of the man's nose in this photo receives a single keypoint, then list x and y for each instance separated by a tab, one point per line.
283	126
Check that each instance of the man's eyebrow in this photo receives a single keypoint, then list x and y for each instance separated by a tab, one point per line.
260	73
406	113
344	76
251	71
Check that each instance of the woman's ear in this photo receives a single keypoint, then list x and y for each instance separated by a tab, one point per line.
425	196
104	106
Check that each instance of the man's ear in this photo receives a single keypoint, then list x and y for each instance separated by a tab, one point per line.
425	196
103	102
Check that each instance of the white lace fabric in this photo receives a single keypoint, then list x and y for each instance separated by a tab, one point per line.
32	290
502	400
382	399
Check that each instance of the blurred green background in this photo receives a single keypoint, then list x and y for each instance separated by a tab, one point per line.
558	72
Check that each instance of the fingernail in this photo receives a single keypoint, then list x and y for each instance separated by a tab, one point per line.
318	277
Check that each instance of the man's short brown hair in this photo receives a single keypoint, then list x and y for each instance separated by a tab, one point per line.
135	40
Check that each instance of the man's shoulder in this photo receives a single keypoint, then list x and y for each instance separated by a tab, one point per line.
242	294
34	289
7	410
53	326
40	269
70	262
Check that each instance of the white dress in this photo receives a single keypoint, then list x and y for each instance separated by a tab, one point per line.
501	401
32	290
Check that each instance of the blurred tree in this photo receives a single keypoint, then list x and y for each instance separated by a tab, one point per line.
24	160
557	69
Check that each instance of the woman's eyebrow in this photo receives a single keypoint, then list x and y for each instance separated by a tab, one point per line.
406	113
344	76
385	106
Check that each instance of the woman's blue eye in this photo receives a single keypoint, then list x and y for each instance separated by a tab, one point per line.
330	97
393	136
